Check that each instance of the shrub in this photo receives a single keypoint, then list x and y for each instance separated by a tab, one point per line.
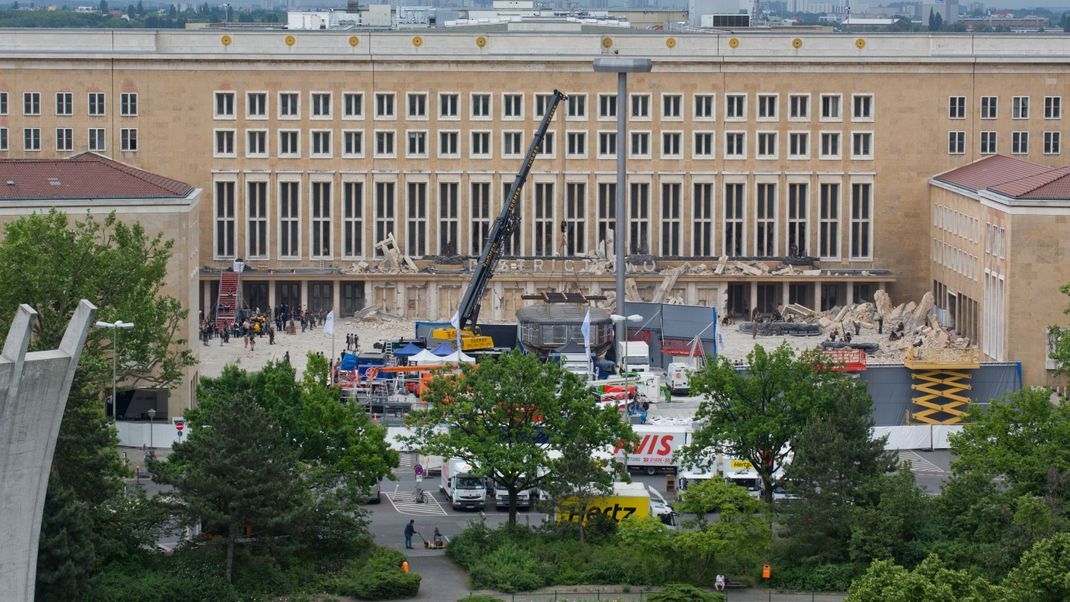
510	568
121	583
682	592
819	578
377	578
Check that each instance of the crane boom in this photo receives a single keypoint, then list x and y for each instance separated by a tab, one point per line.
508	220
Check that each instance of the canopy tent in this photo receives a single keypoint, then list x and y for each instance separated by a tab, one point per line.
443	350
408	350
425	358
458	357
349	361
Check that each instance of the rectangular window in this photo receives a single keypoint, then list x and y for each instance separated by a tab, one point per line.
735	107
547	146
384	105
1020	143
799	107
289	105
353	105
96	104
830	107
321	144
829	222
670	219
384	144
988	143
448	105
542	102
956	143
577	106
224	143
416	145
448	195
511	245
64	139
704	107
31	103
64	103
989	107
1020	107
862	107
512	144
798	145
352	143
607	106
96	139
256	207
639	218
671	105
862	145
1051	143
321	105
640	106
703	145
353	219
3	103
733	219
702	219
735	145
575	231
224	220
3	139
607	203
767	105
417	105
544	219
416	218
128	140
255	105
479	216
576	143
289	219
640	145
1053	107
861	224
481	145
798	218
830	145
448	145
767	145
512	106
224	105
289	143
670	145
765	219
481	106
956	107
128	104
385	212
607	145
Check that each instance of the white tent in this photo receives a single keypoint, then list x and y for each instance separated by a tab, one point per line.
426	358
457	357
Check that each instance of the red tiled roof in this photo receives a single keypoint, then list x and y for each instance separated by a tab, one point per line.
1052	184
83	176
991	171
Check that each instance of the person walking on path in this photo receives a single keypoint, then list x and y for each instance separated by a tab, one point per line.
410	529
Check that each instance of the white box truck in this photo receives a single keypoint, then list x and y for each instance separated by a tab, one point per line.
742	473
689	474
524	498
657	448
463	488
633	356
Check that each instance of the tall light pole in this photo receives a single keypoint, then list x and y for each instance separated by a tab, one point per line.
622	67
152	417
115	327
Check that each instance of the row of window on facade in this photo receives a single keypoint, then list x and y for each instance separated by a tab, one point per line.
1020	107
559	227
64	140
481	106
989	143
968	229
321	144
95	102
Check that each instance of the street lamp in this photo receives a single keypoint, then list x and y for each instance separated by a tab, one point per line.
115	327
622	67
152	415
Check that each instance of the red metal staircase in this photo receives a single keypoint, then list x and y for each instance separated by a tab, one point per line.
227	303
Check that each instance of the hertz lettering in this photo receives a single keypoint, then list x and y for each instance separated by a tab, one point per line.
616	512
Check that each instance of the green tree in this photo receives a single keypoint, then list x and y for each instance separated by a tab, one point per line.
890	515
932	580
576	479
66	561
1043	575
936	20
834	459
753	415
236	474
736	537
103	8
506	414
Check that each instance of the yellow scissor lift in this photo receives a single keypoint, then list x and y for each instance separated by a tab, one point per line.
943	376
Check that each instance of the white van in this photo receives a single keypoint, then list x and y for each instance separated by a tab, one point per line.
679	377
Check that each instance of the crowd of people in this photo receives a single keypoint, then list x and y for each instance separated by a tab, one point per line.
260	324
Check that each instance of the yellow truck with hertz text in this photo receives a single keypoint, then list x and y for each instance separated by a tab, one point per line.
628	500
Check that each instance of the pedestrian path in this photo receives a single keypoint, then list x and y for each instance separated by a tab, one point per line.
405	503
920	464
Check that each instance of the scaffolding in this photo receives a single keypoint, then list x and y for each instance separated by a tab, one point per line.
943	377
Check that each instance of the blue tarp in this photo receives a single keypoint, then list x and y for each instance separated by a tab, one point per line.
407	351
443	350
349	361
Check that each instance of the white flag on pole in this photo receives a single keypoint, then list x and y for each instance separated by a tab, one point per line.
328	325
455	321
585	328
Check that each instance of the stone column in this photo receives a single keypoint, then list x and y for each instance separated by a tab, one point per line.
272	301
336	298
207	308
304	294
850	293
785	293
753	297
817	296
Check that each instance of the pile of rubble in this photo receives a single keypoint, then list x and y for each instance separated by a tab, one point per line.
895	328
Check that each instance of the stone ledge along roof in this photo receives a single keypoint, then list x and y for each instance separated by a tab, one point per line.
83	176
